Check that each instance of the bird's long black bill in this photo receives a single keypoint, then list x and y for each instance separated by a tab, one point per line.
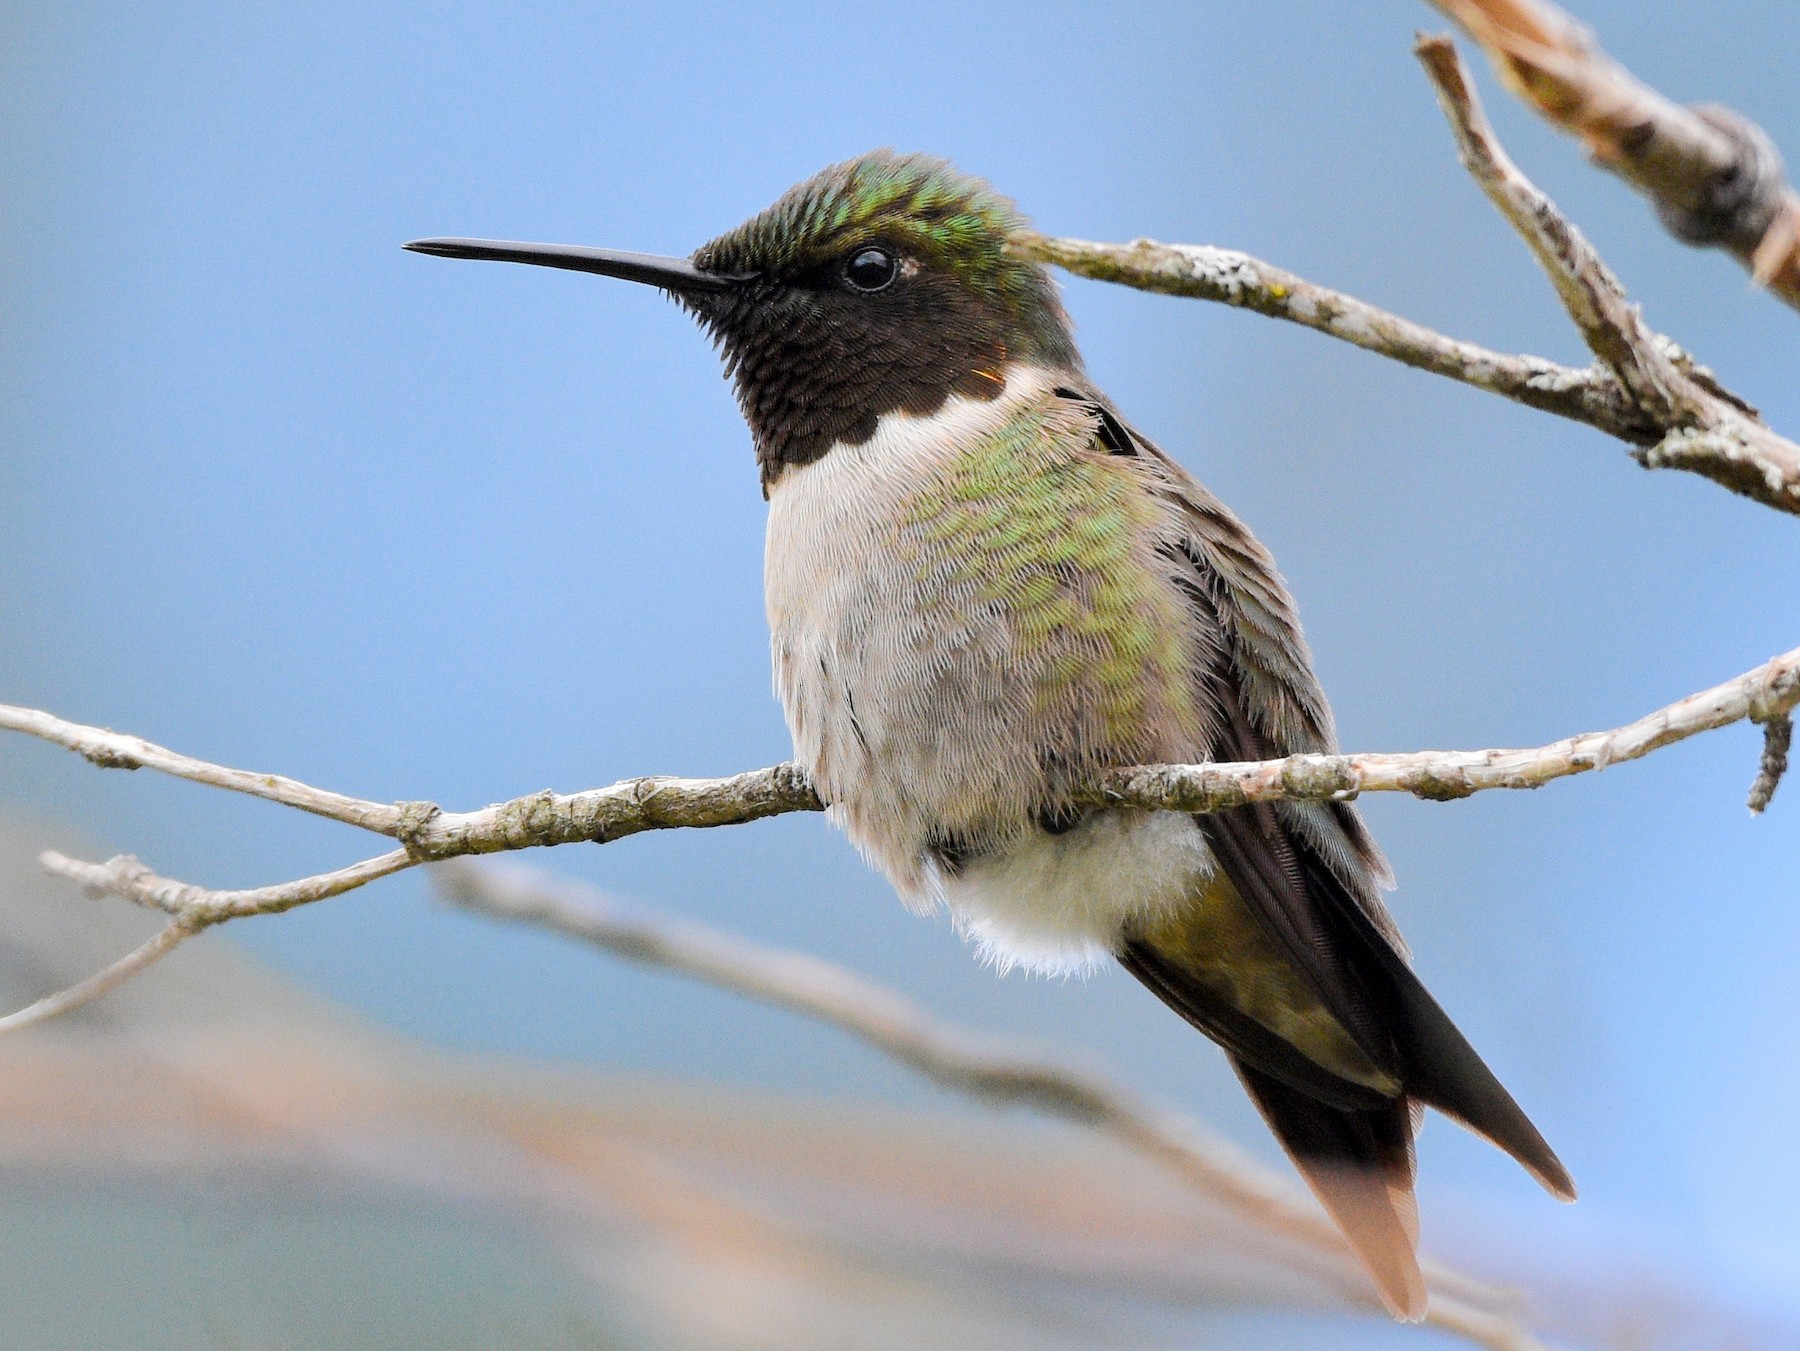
671	274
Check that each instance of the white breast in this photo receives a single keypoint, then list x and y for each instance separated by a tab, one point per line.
908	712
882	685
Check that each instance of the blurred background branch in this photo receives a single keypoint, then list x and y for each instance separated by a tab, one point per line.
997	1073
1715	178
343	1186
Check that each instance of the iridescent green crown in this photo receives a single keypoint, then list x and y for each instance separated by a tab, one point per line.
919	204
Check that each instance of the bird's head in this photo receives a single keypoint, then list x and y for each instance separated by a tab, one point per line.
883	284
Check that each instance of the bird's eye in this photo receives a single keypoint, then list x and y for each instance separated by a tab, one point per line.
871	269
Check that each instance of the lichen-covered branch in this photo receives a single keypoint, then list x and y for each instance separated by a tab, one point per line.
1769	692
995	1072
1766	695
1715	178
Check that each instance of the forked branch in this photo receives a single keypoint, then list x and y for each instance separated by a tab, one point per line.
1704	428
1642	388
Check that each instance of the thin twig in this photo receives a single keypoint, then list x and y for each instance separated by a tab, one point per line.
1703	429
996	1072
1778	740
1614	330
101	982
199	908
1715	178
120	750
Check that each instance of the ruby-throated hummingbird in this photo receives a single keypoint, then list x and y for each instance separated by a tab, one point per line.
984	586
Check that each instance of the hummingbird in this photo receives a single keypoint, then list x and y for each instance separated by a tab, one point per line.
984	587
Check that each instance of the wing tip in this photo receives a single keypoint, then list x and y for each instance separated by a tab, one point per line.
1512	1132
1556	1180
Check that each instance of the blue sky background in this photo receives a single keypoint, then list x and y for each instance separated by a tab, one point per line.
274	492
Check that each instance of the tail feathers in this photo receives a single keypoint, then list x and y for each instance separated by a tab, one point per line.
1359	1163
1442	1069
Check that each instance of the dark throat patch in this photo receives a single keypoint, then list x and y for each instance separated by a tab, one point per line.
814	365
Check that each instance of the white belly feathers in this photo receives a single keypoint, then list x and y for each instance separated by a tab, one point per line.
1056	904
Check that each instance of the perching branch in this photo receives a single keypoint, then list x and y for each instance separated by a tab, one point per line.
997	1073
1767	695
1768	692
1715	178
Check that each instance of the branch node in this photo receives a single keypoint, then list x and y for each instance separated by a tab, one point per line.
415	820
110	756
118	874
1440	787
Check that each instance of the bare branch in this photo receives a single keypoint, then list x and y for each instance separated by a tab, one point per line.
545	818
1590	394
1715	178
1643	389
1767	691
1613	330
199	908
1767	694
998	1073
119	750
657	802
102	982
